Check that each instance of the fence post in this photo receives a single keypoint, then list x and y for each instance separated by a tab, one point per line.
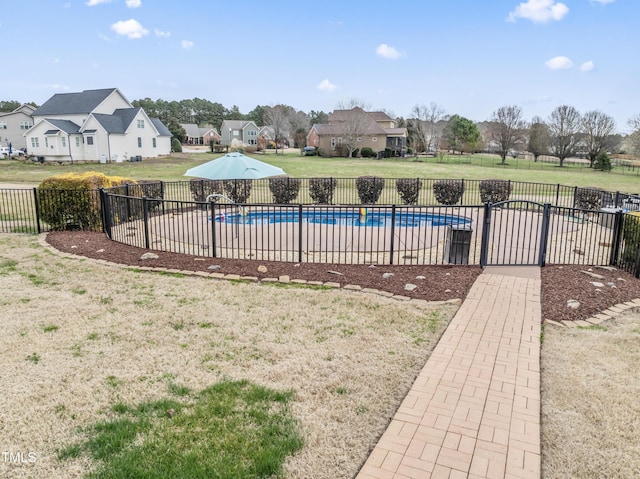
299	232
35	202
617	236
557	194
213	229
127	203
393	232
484	246
575	195
145	217
106	212
544	234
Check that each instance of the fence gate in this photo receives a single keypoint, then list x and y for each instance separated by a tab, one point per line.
515	233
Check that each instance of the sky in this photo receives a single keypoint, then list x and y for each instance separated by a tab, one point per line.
471	57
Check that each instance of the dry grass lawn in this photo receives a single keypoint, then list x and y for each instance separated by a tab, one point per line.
590	406
79	337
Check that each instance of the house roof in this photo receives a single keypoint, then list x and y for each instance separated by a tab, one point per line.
191	129
238	124
162	129
25	108
73	103
119	121
64	125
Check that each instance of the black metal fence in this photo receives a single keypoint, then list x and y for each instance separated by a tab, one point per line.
584	226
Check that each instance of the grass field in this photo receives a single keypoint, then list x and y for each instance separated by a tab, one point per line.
477	167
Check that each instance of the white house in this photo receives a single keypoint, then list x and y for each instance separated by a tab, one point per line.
95	125
245	132
14	124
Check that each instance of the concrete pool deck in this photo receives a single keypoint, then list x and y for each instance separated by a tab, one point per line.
474	409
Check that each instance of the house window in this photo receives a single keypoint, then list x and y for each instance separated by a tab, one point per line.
139	142
153	142
236	133
333	142
25	125
340	141
35	143
140	123
46	142
3	125
375	138
77	142
64	141
89	140
359	138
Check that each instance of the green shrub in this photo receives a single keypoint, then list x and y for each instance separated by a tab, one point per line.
321	190
367	152
152	189
409	189
369	189
388	152
631	237
354	153
448	192
494	191
603	162
284	189
201	188
72	201
588	198
176	146
237	190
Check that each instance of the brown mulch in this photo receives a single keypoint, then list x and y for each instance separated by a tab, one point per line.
434	283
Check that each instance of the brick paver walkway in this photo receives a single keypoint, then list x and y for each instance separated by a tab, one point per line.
474	410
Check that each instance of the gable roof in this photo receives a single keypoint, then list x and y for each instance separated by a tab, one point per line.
162	129
64	125
191	129
239	124
73	103
119	121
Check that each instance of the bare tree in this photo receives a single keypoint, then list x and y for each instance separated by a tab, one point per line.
354	123
277	118
633	140
539	140
507	129
598	129
564	126
424	124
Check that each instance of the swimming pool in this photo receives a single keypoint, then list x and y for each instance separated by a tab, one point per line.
343	217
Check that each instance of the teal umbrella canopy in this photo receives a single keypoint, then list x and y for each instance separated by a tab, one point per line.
234	166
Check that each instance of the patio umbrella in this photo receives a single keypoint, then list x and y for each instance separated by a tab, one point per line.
234	166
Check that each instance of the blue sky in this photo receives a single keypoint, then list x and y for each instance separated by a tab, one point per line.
469	56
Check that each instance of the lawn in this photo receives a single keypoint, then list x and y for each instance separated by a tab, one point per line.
108	369
476	167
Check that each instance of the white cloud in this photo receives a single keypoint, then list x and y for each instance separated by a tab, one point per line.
539	11
559	63
67	5
129	28
602	2
385	51
187	45
587	66
93	3
160	33
133	3
326	85
57	86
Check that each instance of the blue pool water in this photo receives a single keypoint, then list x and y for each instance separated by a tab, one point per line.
343	217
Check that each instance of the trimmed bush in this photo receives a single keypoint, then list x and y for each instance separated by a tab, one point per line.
237	190
409	189
631	237
602	163
367	152
494	191
448	192
201	188
369	189
72	201
588	198
284	189
176	146
321	190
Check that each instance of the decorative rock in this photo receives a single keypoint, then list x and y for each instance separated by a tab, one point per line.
213	267
573	304
421	277
607	268
447	290
597	284
262	269
336	272
409	287
149	256
101	250
454	301
284	279
74	247
593	275
387	275
621	279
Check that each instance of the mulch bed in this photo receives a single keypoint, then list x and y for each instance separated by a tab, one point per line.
433	283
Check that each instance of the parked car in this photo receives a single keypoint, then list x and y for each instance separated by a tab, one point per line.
4	152
309	151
